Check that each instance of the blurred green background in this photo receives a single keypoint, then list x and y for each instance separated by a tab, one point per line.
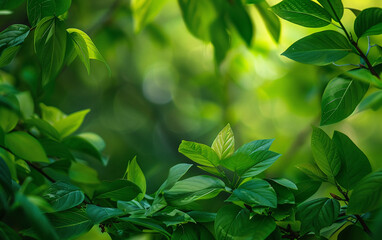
165	86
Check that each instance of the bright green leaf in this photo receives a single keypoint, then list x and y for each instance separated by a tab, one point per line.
271	21
373	101
368	22
135	175
224	143
334	7
81	49
71	123
199	153
10	40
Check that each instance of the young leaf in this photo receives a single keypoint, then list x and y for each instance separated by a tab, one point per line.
25	146
92	49
81	48
51	114
71	123
233	222
354	163
255	192
10	40
117	190
101	214
334	7
271	21
70	223
317	214
194	188
368	22
199	153
325	153
135	175
63	196
320	48
8	119
367	194
305	13
224	143
340	98
50	44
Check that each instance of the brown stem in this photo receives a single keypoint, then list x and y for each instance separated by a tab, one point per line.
364	57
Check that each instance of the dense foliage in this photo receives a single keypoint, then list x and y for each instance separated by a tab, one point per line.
49	190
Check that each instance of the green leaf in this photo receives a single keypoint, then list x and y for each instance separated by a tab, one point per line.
172	217
354	163
233	222
145	11
220	39
81	48
8	233
135	175
44	127
92	49
224	143
88	143
8	119
284	182
364	75
25	146
56	149
240	18
306	189
313	171
202	217
368	22
198	17
148	223
194	188
63	196
62	6
33	216
317	214
373	101
353	232
50	44
100	214
10	40
71	123
250	165
199	153
256	145
325	153
51	114
334	7
5	176
340	98
284	195
367	194
10	4
272	22
303	12
255	192
175	173
70	223
117	190
320	48
39	9
82	173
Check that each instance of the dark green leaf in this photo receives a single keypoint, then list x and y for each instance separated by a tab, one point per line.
313	171
284	182
353	232
271	21
25	146
8	233
70	223
201	217
340	98
50	44
240	18
5	176
101	214
199	153
117	190
367	194
320	48
368	22
224	143
305	13
148	223
172	217
220	39
63	196
354	163
334	7
10	40
284	194
233	222
194	188
325	153
306	189
10	4
317	214
56	149
39	9
255	192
